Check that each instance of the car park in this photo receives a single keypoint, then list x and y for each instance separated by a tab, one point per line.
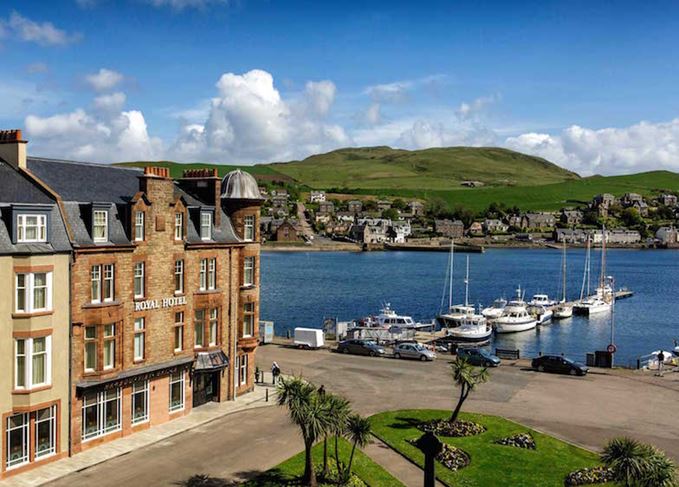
361	347
413	351
558	364
479	356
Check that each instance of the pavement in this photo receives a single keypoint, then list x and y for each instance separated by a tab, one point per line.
586	411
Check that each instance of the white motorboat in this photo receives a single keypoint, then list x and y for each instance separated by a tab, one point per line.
494	310
474	329
563	310
515	317
541	300
542	314
389	319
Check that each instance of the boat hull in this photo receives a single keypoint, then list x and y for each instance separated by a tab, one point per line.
462	336
509	327
563	313
588	310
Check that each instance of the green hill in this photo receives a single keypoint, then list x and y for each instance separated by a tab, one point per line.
434	169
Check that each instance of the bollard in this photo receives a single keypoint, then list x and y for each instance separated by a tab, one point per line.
267	394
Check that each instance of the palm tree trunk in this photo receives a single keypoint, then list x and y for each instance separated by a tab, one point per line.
309	474
326	471
337	459
456	412
351	460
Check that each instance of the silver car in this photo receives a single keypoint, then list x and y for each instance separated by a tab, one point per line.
413	350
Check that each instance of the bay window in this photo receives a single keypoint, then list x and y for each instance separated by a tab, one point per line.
248	319
139	226
101	413
139	280
249	271
102	279
140	402
177	391
178	276
32	362
139	338
100	226
33	292
31	228
249	228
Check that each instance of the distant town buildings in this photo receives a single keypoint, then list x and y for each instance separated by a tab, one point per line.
316	196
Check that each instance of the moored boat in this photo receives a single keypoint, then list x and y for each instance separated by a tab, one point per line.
474	329
494	310
515	317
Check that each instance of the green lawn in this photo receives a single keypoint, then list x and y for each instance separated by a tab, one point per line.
287	472
491	464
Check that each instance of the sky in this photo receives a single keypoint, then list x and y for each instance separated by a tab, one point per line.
591	86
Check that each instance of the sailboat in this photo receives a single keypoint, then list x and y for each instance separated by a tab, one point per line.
461	321
601	301
563	310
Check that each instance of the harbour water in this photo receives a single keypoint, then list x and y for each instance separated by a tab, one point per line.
300	289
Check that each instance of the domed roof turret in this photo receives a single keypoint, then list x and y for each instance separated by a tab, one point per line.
240	185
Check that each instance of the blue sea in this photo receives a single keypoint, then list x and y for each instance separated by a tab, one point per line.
302	288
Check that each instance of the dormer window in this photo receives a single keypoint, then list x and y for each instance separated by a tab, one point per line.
100	226
205	225
138	226
31	228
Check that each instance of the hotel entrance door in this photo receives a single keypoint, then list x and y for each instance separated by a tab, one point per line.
205	388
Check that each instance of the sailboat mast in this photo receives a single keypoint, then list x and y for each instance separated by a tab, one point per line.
466	285
563	272
450	290
603	259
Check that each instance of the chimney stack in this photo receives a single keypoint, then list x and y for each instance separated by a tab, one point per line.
205	184
13	148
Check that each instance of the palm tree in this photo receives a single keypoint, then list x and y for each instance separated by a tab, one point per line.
308	411
635	464
358	432
467	377
339	412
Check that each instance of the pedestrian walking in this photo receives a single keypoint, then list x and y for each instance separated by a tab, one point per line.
321	391
275	371
661	363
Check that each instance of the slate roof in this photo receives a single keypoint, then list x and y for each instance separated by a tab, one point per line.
81	183
18	189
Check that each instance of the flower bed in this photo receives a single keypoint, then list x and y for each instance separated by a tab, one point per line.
451	457
458	429
521	440
586	476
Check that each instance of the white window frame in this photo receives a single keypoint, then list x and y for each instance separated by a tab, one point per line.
52	420
249	271
28	356
249	228
139	338
29	288
243	369
202	284
108	274
201	328
96	213
106	339
40	227
179	225
212	274
205	225
95	280
87	341
179	380
139	228
139	276
248	316
100	404
25	431
179	276
213	327
140	387
178	325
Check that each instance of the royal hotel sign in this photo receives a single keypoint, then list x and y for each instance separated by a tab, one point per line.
151	304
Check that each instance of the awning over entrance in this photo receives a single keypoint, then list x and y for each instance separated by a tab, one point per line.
132	375
211	361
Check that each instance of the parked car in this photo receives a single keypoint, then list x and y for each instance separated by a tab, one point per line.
479	356
558	364
361	347
413	350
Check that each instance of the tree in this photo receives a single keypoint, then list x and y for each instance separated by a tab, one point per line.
308	410
390	214
635	464
339	411
358	433
631	217
467	377
399	204
436	207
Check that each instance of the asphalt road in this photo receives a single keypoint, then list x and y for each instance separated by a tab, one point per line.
586	411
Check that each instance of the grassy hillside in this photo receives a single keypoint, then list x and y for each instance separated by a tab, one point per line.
551	196
435	169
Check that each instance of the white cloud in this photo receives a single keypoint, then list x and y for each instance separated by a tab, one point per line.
113	102
640	147
104	79
184	4
474	109
42	33
249	121
373	115
37	68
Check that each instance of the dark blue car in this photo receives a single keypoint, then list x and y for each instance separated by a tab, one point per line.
478	356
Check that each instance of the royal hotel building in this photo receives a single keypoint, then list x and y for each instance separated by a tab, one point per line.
164	294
